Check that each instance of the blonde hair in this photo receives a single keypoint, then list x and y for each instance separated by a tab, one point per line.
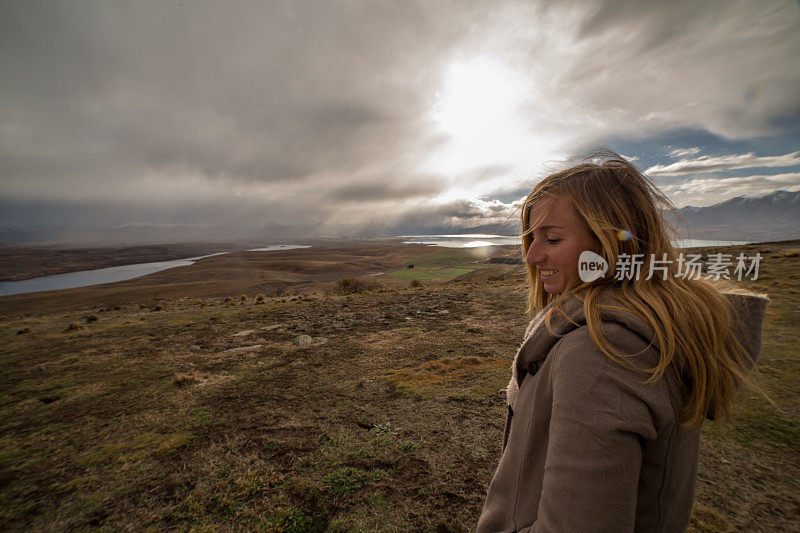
691	319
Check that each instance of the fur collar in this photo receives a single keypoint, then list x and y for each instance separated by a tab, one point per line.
512	390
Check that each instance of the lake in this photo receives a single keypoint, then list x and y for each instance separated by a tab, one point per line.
475	240
86	278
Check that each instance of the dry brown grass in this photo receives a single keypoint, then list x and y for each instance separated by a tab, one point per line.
790	252
427	378
183	379
393	424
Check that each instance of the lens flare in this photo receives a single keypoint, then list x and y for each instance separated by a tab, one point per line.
624	235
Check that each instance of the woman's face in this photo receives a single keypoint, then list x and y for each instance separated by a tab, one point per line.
559	237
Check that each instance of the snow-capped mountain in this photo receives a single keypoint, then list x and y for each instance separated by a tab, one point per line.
775	216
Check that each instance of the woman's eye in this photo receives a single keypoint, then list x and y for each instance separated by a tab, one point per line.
553	241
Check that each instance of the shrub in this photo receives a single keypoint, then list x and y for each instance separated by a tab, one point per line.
243	297
74	327
415	283
91	318
346	285
182	379
260	299
349	285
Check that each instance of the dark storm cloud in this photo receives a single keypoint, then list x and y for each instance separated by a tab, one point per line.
460	209
266	111
246	91
384	191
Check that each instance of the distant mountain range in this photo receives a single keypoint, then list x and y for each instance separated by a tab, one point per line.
773	217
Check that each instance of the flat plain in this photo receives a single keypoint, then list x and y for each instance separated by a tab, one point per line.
185	401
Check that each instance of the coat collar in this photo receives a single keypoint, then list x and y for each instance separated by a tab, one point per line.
567	315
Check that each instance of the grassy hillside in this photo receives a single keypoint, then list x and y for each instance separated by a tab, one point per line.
204	413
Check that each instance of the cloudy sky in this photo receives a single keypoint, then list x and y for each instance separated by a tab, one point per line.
373	114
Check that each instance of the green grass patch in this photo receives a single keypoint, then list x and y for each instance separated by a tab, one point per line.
442	264
137	447
431	273
369	515
412	273
448	256
9	452
293	520
347	480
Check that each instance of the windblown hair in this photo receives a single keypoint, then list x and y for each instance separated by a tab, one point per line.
690	318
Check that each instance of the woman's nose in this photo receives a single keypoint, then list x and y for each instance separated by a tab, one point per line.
534	256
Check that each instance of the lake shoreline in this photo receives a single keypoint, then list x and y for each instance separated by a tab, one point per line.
19	263
232	273
24	262
101	276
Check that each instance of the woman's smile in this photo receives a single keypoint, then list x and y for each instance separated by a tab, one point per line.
547	273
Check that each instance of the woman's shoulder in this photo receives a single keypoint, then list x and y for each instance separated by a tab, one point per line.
624	349
581	371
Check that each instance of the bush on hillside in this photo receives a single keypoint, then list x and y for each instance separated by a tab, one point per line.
349	285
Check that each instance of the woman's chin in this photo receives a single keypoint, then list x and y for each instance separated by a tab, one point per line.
551	288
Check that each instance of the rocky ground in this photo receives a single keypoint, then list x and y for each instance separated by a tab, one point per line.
325	411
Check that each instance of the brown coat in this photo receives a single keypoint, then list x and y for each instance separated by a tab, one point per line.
588	446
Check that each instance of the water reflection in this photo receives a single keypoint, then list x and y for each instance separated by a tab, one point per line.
274	247
86	278
472	240
469	241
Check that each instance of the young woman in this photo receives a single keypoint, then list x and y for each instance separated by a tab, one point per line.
616	374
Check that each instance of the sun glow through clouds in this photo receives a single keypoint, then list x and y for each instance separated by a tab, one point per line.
478	110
